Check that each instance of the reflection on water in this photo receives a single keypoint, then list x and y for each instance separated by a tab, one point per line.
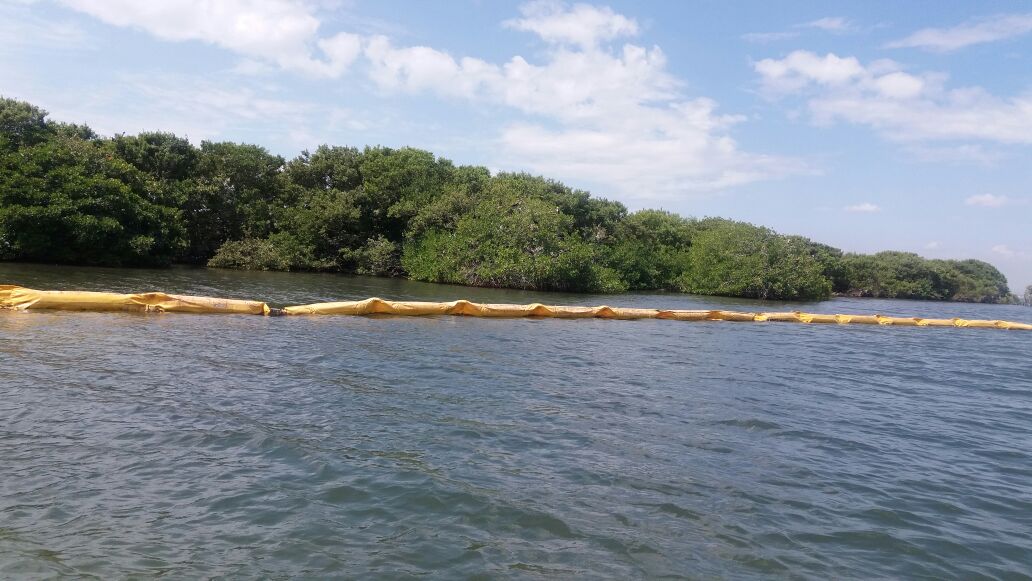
241	446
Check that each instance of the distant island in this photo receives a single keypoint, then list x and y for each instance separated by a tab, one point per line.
69	196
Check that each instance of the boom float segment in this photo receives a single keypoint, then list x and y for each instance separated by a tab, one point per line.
18	298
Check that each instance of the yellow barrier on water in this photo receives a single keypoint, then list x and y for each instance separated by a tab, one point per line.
18	298
14	297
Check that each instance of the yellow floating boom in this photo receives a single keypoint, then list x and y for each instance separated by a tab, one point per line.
375	306
18	298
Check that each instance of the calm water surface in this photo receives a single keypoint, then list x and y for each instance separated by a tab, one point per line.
191	446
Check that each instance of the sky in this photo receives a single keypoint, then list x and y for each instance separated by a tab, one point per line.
869	126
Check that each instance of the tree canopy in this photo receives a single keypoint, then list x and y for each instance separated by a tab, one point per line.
68	196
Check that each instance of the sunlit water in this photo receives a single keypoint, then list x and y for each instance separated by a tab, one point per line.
194	446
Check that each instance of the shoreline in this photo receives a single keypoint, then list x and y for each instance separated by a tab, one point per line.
188	266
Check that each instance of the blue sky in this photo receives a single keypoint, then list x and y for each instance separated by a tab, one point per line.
869	126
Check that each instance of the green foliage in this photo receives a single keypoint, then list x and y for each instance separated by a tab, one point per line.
514	242
237	193
830	259
1027	298
893	275
737	259
22	124
397	183
651	251
162	156
329	168
150	199
327	223
377	257
250	254
594	219
66	200
908	276
978	282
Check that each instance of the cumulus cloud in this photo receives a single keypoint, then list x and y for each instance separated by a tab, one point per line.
802	68
901	105
864	208
983	31
988	200
423	69
284	32
580	25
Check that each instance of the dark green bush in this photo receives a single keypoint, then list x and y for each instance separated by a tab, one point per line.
250	254
742	260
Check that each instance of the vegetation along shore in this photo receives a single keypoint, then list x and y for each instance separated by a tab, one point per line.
153	199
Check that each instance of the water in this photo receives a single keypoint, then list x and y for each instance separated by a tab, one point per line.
192	446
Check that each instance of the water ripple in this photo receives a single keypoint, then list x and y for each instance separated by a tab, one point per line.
140	446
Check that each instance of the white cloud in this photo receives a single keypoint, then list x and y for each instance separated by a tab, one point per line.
595	86
420	68
278	31
949	39
638	165
900	105
933	245
341	50
864	208
830	24
899	85
988	200
1004	250
800	68
580	25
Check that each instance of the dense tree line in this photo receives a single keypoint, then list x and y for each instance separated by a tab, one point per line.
69	196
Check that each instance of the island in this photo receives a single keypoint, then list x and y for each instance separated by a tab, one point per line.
70	196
